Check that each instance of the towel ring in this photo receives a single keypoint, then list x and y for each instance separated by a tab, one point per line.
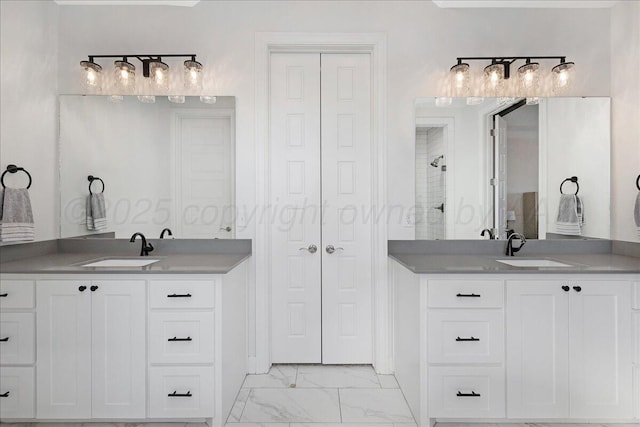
573	179
14	169
92	178
638	182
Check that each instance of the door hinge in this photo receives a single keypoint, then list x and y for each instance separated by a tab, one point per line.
492	182
492	132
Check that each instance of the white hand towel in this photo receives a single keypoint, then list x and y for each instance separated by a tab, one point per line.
16	216
568	221
96	212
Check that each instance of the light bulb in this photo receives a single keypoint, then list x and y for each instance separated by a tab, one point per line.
159	72
192	75
125	76
460	78
92	80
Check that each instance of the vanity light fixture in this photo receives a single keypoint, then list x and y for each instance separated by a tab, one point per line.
153	68
496	76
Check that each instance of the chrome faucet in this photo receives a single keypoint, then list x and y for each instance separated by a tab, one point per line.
146	248
510	249
166	230
488	230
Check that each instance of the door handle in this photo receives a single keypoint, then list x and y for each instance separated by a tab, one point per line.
312	249
330	249
227	229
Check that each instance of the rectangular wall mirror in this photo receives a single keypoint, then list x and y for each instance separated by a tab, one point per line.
500	166
163	165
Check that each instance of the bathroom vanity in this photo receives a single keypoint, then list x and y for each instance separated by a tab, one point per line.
160	342
496	342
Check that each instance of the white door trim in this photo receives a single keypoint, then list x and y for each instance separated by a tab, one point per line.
374	44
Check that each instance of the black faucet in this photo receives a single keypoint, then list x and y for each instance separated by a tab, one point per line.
146	248
487	230
510	249
166	230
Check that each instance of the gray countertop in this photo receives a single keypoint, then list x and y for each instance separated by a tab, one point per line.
447	257
66	256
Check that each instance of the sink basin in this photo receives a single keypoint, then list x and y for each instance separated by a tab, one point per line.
122	262
532	263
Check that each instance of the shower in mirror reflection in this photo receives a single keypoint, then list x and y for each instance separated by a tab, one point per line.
430	183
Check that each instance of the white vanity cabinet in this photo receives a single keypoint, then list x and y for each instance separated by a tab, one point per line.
562	347
569	349
91	349
17	349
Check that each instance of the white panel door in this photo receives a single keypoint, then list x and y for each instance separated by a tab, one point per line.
500	189
63	375
537	349
295	216
601	351
347	212
204	175
119	344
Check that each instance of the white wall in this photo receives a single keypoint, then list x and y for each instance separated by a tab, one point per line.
625	107
28	106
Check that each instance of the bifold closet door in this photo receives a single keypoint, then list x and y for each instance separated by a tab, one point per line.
347	209
295	217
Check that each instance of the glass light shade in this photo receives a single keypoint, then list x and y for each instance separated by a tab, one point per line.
562	76
125	76
147	99
192	75
504	100
443	101
459	75
159	74
208	99
92	75
529	78
533	100
494	78
176	99
475	100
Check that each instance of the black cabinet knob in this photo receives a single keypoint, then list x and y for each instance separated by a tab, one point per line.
82	288
94	288
565	288
577	288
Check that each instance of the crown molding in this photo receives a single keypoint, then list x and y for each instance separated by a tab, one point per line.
552	4
183	3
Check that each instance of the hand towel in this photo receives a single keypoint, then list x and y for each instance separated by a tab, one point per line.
96	212
569	221
16	216
636	214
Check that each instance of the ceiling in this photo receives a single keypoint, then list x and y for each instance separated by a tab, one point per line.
525	4
187	3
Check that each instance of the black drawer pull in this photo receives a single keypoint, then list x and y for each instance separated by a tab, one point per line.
4	295
179	296
176	394
5	339
468	339
4	394
180	339
472	394
468	296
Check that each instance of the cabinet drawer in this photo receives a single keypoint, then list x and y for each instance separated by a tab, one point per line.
17	294
181	392
466	293
181	337
17	399
17	338
466	392
466	336
182	294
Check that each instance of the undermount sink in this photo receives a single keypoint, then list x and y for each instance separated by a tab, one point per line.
532	263
122	262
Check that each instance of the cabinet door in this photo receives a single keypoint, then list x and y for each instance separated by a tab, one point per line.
63	349
118	337
601	350
537	349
